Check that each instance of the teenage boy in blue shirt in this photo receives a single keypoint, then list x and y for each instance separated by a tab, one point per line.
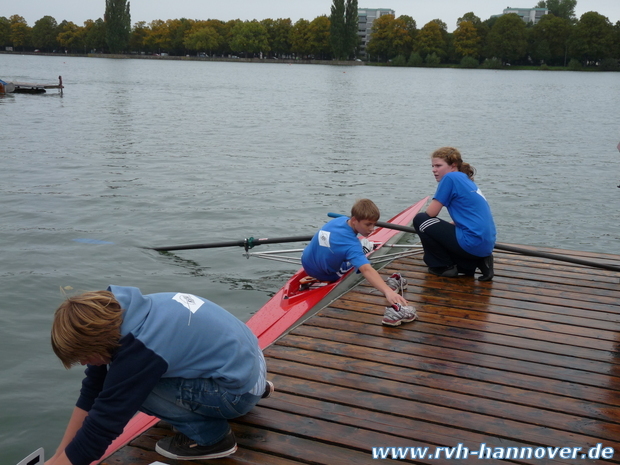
335	249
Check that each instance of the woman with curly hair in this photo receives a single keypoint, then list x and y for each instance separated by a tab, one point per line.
467	243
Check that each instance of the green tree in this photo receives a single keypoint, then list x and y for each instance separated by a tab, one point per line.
225	30
442	25
203	37
44	33
19	34
415	60
5	31
279	33
352	40
158	37
177	30
550	35
431	40
338	29
250	37
592	38
481	28
507	38
269	25
343	30
471	17
560	8
95	36
540	52
616	41
300	38
432	60
118	25
71	36
412	31
466	40
137	37
318	31
389	38
279	37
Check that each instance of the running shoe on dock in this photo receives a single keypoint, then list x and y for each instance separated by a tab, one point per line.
397	283
396	314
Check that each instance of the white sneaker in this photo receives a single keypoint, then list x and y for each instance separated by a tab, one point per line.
397	314
397	283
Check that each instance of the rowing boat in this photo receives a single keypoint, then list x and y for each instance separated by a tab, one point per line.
290	306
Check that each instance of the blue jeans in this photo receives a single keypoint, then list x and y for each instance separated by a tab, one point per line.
198	408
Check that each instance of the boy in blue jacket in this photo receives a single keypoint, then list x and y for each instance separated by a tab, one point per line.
175	356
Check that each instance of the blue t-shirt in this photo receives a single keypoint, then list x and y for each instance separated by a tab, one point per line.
336	243
470	211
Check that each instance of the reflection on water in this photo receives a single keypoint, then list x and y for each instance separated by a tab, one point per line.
143	153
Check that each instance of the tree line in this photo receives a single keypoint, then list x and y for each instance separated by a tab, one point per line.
558	39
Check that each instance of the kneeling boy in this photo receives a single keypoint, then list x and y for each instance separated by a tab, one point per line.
175	356
335	249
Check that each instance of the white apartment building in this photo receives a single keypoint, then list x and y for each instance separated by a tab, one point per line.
365	18
529	15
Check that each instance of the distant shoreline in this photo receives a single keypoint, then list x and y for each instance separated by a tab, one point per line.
192	58
294	62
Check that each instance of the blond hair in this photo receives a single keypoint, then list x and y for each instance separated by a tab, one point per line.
86	325
365	209
453	157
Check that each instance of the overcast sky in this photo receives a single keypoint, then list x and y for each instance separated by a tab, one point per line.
422	11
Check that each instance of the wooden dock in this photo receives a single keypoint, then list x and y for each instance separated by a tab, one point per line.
527	362
33	88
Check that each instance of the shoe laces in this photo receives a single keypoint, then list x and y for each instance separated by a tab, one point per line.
397	307
397	281
181	439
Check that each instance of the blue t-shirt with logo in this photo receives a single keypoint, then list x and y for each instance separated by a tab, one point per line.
470	211
333	250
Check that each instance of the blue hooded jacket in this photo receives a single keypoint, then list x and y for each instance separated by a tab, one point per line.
162	336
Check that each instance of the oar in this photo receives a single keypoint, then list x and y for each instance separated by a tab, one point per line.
247	243
508	248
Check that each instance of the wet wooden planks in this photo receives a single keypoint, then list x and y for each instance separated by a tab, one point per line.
531	359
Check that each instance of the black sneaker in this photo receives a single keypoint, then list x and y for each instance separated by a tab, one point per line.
269	388
486	268
445	271
466	272
180	447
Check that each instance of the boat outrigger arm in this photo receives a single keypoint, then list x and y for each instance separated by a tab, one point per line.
276	255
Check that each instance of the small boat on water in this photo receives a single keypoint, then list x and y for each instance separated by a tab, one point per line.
294	303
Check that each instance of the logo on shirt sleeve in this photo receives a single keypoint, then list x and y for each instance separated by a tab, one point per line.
324	238
191	302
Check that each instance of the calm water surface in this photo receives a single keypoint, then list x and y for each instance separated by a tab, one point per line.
146	153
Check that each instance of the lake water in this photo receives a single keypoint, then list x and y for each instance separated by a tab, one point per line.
143	153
